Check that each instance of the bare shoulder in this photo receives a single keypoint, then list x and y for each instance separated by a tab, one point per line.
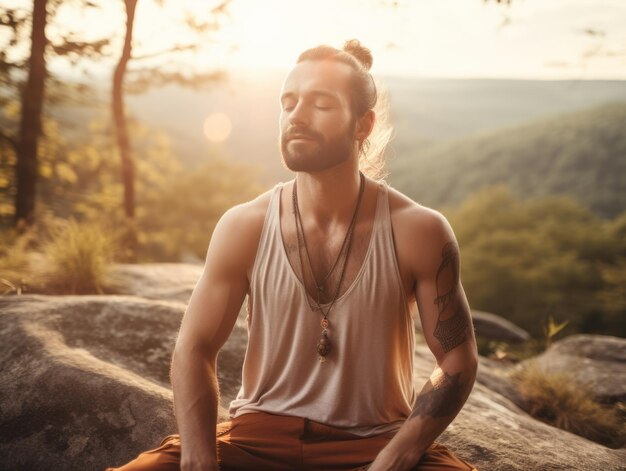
420	232
248	217
238	231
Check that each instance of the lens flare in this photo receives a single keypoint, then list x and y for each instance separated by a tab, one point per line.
217	127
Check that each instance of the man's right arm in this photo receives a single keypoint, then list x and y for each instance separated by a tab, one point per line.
206	325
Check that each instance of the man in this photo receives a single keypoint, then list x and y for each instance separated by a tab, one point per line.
334	264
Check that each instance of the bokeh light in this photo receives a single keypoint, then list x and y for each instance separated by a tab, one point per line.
217	127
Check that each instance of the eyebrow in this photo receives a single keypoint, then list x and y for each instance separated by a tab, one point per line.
314	92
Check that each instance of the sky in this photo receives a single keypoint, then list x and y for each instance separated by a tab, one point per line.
530	39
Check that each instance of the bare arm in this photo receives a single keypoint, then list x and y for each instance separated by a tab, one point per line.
206	325
447	327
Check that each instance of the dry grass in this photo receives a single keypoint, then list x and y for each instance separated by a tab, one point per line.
57	256
15	261
510	352
559	400
77	257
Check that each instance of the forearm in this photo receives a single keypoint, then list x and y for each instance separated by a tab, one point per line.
437	404
196	396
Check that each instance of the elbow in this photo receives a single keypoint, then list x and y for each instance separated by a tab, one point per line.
472	370
472	361
187	353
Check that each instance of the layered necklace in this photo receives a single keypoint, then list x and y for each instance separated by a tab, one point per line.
324	344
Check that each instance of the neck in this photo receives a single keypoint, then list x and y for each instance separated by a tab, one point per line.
327	198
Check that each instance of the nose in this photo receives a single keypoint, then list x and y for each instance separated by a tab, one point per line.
298	116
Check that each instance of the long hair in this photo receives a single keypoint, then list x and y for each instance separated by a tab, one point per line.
365	97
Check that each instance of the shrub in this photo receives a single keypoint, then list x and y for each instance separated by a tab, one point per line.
14	261
77	257
559	400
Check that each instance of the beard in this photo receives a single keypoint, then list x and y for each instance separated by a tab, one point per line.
318	153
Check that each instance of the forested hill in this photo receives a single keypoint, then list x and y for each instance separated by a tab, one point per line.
582	154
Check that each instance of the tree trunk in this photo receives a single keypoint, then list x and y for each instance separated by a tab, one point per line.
30	123
129	241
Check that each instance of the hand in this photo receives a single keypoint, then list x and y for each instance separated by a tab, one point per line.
389	462
381	464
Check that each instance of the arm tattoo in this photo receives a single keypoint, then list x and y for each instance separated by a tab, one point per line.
451	328
442	399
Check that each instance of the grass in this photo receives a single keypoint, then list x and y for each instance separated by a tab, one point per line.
518	351
559	400
78	257
57	256
512	352
15	261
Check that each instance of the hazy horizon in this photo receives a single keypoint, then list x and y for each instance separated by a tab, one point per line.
530	40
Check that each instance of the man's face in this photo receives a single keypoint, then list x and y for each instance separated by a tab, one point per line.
317	129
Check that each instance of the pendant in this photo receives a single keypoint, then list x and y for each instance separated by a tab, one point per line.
323	346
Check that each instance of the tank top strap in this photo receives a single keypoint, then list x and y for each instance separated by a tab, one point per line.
382	223
385	245
272	219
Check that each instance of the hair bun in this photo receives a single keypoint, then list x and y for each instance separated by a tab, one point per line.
361	53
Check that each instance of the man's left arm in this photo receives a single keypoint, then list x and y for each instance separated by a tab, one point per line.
447	328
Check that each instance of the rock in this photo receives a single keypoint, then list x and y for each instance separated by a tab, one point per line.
85	384
495	375
85	379
62	408
494	327
493	433
597	361
164	281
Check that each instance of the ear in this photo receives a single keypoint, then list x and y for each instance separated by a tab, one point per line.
364	125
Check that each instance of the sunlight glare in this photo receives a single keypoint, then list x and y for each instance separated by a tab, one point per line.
217	127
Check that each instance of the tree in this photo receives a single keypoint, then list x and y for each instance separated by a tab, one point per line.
142	83
32	89
119	117
30	123
545	256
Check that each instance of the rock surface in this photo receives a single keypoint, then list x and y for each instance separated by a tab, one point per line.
163	281
85	385
596	361
494	327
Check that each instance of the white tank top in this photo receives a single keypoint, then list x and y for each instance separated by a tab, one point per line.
366	385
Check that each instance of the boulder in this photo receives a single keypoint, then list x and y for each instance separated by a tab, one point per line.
494	327
85	385
493	433
85	379
596	361
163	281
63	408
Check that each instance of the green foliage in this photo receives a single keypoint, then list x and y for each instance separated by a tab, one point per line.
559	400
578	154
176	208
549	256
179	218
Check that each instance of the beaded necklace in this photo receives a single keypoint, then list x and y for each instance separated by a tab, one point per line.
324	345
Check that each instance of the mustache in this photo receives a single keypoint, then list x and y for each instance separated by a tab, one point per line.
296	132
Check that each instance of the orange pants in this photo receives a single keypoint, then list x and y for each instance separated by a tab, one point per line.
262	441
